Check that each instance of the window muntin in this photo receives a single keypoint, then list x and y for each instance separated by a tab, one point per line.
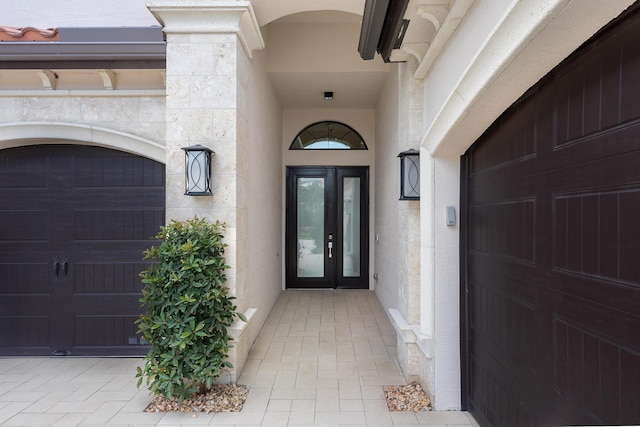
328	135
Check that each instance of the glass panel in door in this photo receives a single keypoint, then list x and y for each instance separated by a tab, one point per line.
351	227
310	200
352	217
310	226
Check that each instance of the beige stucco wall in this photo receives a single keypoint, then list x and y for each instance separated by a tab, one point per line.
269	10
386	248
389	284
264	118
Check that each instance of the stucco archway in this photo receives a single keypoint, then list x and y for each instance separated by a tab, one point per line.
269	10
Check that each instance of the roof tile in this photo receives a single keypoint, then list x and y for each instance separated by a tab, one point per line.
9	34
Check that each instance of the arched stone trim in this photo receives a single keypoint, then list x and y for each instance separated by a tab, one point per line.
32	133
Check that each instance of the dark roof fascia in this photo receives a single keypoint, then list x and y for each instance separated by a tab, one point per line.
373	19
143	45
75	64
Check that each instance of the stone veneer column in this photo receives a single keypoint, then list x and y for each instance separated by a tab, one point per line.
209	43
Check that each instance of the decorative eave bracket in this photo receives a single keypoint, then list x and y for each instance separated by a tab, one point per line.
108	79
431	25
48	79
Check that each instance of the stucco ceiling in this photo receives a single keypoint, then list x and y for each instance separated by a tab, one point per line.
313	52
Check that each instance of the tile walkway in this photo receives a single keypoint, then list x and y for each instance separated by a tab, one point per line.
320	360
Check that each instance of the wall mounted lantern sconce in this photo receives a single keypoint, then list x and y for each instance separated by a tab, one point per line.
197	169
409	175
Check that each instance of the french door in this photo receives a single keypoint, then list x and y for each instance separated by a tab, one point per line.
327	227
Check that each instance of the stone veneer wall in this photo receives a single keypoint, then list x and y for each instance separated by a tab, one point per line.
410	112
391	261
209	48
136	113
398	250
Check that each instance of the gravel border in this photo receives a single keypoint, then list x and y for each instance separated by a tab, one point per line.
221	398
406	398
231	398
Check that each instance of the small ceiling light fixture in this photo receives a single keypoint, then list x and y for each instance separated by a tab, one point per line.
409	175
328	96
197	169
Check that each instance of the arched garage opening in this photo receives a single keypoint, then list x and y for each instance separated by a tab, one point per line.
31	133
550	278
73	224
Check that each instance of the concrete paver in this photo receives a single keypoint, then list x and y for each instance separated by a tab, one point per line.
321	359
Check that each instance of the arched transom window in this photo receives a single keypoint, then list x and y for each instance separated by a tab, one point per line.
328	135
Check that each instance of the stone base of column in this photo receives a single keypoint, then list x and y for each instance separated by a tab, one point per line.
414	352
239	352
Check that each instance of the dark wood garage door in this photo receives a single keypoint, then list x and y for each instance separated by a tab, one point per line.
551	246
74	221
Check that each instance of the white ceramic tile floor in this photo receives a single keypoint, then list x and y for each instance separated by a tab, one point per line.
320	360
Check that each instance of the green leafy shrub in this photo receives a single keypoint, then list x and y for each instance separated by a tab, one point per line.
188	309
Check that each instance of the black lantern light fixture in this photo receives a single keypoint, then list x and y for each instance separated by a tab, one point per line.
197	167
409	175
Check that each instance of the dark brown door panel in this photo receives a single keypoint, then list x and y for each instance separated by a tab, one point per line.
73	224
549	243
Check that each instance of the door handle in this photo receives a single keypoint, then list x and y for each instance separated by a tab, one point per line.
56	267
65	266
330	245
